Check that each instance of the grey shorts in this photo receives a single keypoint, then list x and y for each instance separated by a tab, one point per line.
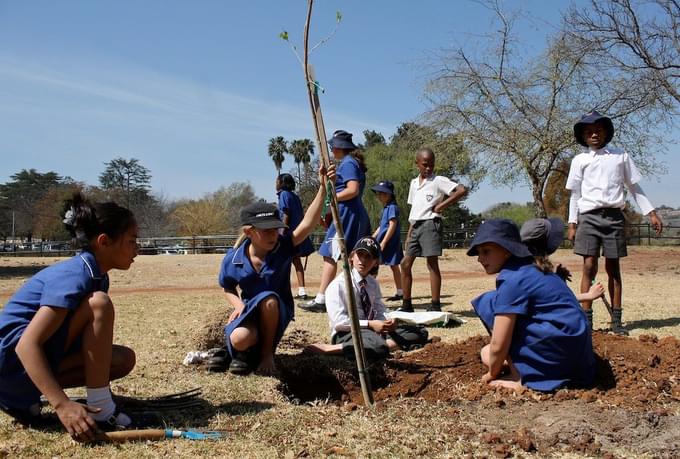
426	239
601	230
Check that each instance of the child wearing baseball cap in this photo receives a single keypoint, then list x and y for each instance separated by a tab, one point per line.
259	265
539	335
379	334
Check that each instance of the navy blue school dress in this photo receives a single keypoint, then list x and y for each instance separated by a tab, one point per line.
63	285
551	343
290	204
393	253
353	215
272	280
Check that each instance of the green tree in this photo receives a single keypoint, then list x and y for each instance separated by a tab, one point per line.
277	149
302	151
127	179
518	213
373	138
19	197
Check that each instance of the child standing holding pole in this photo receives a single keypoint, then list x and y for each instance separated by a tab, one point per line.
428	196
387	234
259	264
596	221
349	186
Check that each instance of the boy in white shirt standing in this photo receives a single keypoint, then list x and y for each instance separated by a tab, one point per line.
596	222
428	196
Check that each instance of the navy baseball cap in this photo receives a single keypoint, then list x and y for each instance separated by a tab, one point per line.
343	140
369	245
262	216
502	232
592	118
385	186
542	235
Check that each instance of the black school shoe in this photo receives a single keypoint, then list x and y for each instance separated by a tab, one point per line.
241	363
312	306
218	360
406	306
395	298
434	307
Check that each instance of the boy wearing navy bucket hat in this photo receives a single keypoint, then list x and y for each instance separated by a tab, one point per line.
388	233
596	221
539	335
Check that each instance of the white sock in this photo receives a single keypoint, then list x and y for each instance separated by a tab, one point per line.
100	397
320	298
302	291
400	292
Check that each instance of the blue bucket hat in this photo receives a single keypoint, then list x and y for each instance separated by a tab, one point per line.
592	118
384	186
502	232
542	235
343	140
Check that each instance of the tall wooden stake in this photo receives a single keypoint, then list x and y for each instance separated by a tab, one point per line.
313	93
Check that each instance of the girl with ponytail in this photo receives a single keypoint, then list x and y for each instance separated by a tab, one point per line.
57	330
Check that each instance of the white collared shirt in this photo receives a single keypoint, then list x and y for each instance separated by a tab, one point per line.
596	180
423	197
337	302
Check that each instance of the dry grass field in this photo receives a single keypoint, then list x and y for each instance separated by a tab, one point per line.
169	305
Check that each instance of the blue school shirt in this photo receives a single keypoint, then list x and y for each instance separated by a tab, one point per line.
290	204
390	212
348	170
551	343
274	276
62	285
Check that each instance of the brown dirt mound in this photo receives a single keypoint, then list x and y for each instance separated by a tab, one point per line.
633	407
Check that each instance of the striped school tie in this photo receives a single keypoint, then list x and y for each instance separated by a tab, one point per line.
366	305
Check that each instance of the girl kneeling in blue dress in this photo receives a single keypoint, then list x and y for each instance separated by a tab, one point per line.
259	264
57	329
539	335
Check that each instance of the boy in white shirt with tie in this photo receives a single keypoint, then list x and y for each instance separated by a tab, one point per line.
596	222
379	334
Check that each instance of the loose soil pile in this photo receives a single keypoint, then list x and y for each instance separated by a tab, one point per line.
634	405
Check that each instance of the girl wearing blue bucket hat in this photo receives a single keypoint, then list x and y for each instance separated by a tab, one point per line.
388	235
349	186
539	335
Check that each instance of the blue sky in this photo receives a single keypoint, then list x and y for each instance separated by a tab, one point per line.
194	90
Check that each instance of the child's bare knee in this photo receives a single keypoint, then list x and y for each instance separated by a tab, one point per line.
99	303
269	303
123	361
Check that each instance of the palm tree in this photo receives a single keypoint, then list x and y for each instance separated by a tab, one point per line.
278	147
302	151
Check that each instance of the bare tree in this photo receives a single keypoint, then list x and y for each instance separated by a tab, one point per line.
516	113
638	37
